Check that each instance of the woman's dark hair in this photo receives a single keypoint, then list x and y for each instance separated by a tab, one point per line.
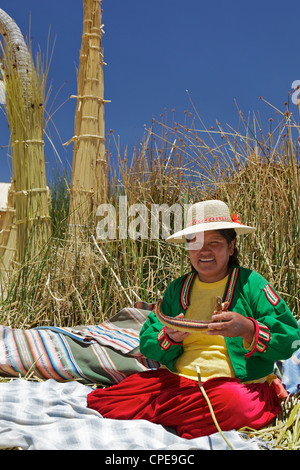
230	235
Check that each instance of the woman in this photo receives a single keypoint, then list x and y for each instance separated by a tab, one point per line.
235	354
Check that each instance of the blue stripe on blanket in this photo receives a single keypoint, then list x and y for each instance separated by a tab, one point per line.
65	332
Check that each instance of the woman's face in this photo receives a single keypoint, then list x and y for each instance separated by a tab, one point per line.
211	260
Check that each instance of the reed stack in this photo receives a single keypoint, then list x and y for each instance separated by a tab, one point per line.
25	85
88	184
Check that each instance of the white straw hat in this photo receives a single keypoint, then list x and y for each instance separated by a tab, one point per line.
209	215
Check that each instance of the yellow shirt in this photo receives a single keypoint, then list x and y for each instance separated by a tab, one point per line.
209	352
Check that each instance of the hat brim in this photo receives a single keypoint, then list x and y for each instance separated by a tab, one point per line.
180	237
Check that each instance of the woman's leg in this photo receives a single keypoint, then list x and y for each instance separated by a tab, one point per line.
235	405
135	396
170	400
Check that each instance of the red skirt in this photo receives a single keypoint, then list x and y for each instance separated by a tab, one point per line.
171	400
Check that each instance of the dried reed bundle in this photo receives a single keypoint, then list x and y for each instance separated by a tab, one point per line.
88	185
14	39
8	235
25	96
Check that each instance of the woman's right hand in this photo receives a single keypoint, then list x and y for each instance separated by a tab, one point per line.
175	335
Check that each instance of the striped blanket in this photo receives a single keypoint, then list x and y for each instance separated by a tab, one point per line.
103	354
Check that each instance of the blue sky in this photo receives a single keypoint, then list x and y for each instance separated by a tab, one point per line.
219	51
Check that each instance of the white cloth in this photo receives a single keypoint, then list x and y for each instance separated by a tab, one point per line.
54	416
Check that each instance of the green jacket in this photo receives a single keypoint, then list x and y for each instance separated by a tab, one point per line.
248	293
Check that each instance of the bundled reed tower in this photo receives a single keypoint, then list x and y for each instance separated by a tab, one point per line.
88	184
27	229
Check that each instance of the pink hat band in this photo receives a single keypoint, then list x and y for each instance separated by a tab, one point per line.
209	219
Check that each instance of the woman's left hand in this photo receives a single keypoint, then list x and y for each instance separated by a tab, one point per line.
231	324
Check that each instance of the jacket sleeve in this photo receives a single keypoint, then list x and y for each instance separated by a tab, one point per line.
154	343
277	334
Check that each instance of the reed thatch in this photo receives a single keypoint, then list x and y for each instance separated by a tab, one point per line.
28	230
8	234
88	184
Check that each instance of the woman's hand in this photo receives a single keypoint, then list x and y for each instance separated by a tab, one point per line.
232	324
175	335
